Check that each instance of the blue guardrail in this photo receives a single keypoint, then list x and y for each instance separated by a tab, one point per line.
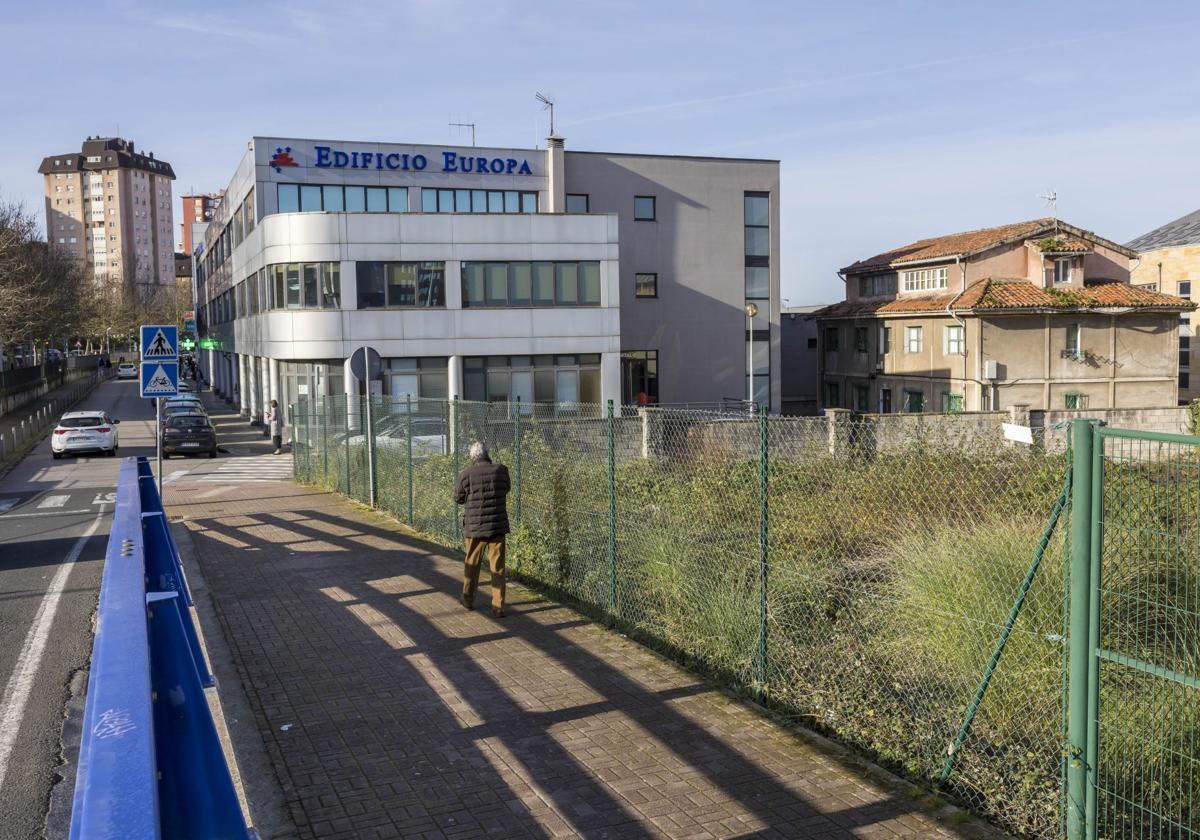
150	763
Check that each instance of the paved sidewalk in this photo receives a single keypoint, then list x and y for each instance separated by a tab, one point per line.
388	710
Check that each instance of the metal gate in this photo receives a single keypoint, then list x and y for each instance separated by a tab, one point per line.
1133	753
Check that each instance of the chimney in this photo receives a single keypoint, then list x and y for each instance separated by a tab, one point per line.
556	178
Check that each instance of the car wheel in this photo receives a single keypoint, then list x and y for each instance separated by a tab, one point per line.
212	453
57	455
111	452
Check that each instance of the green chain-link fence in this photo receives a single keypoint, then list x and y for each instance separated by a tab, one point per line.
896	585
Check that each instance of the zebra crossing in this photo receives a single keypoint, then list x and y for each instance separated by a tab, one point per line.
254	469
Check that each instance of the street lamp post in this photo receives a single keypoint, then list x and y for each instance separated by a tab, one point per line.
751	311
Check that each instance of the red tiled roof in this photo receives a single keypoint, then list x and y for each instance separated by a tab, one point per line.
975	241
1064	245
998	294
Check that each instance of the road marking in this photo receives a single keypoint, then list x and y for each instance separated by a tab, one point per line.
105	499
53	502
175	476
208	494
8	516
20	684
8	504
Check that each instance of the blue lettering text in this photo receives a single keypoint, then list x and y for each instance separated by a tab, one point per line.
524	170
448	162
497	165
467	164
419	162
482	167
322	155
340	159
393	161
510	165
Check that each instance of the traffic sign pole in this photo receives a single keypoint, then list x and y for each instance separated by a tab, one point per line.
158	431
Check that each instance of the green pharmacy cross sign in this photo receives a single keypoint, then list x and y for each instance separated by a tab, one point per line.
210	344
187	344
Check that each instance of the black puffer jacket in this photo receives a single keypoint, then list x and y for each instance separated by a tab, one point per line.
482	487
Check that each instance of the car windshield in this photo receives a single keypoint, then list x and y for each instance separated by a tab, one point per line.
80	422
126	366
179	409
188	422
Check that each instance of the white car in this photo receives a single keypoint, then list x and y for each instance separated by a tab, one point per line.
429	435
125	370
84	431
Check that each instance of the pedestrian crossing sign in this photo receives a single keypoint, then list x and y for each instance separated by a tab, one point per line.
160	379
159	341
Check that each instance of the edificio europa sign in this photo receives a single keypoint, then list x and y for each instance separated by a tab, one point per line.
328	157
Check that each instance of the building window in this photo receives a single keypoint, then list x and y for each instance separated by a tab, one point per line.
643	208
531	284
1062	271
831	339
577	203
861	398
1185	351
401	284
1183	379
885	340
832	397
289	198
566	380
812	344
923	279
1075	401
876	285
477	201
1185	289
1072	349
913	339
304	285
954	344
914	402
860	341
645	285
951	403
639	377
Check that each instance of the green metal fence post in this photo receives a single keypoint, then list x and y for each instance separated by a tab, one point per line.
612	513
369	437
763	547
517	465
349	494
1093	685
408	409
324	440
1077	756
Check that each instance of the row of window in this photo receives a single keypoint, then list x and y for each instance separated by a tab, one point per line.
532	379
756	219
953	342
912	402
531	284
478	201
922	279
337	198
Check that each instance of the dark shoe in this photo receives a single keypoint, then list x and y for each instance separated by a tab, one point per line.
498	612
466	602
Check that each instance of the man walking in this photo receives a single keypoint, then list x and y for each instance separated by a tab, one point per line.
482	488
275	424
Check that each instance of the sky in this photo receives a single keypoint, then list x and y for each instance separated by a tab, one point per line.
893	121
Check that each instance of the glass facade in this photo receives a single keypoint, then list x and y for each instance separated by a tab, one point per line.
424	377
531	284
639	377
336	198
478	201
757	219
303	285
401	284
560	379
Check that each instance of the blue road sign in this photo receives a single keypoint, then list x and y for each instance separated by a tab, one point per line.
160	379
159	341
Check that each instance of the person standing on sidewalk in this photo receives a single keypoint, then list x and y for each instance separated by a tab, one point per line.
482	489
275	424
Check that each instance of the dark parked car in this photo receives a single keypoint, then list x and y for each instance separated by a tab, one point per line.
189	434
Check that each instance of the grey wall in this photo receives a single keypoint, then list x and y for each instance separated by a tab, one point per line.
799	362
696	245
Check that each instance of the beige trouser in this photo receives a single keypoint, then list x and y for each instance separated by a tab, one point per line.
495	550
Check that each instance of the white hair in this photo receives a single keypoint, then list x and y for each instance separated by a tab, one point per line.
479	451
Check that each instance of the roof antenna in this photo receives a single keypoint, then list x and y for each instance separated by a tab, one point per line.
547	102
1051	199
466	125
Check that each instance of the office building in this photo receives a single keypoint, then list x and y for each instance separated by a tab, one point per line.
197	208
1038	313
109	206
492	274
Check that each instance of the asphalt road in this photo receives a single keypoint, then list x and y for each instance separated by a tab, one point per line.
54	524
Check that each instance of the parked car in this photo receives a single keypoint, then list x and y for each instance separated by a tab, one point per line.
429	435
186	399
84	431
125	370
187	386
189	434
172	409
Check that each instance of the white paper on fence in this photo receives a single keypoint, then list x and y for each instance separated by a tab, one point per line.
1021	434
